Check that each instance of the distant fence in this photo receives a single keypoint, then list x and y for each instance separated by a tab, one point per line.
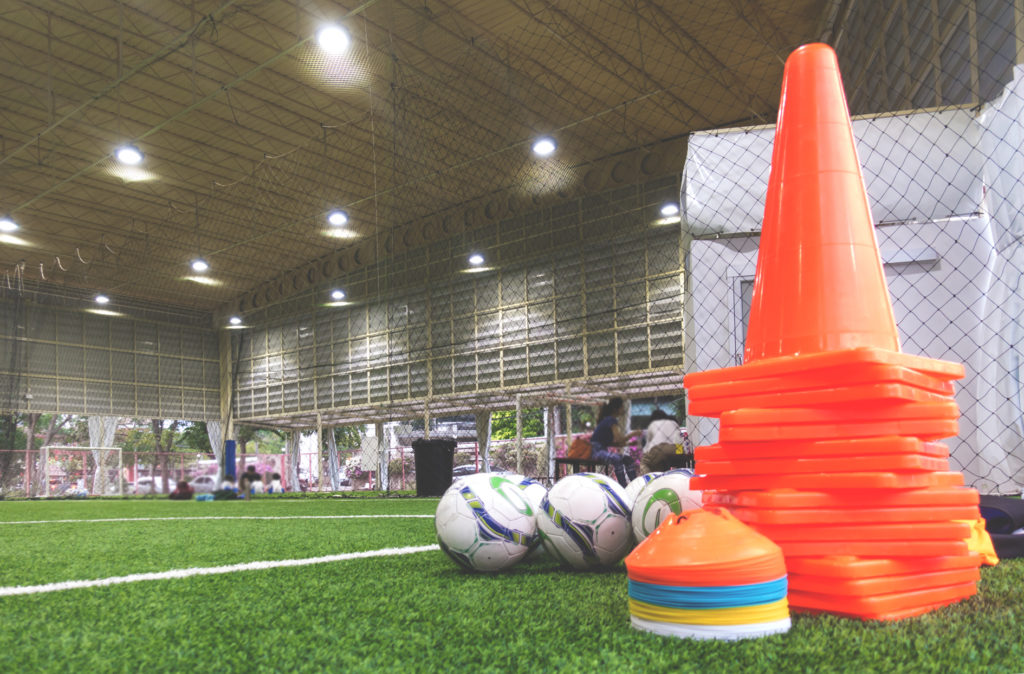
72	472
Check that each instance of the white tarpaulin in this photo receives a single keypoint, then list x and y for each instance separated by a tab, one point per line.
1000	434
101	434
916	167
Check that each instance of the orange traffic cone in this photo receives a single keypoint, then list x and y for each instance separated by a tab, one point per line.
819	284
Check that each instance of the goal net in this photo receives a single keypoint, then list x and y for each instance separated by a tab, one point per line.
80	471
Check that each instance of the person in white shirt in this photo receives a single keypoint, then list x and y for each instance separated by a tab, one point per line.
664	438
275	484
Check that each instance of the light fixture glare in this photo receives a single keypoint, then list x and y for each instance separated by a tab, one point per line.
200	265
476	259
129	154
8	225
235	320
337	218
337	294
333	39
544	146
102	299
670	209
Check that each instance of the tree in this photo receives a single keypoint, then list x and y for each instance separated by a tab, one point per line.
54	423
503	423
196	437
163	444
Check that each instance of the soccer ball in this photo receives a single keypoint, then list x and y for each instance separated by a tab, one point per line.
534	491
637	485
584	521
665	495
485	523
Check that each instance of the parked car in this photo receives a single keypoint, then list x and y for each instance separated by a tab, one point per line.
470	469
145	485
204	484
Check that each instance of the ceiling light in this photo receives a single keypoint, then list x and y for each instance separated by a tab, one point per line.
476	259
101	299
128	154
8	225
235	320
332	39
200	265
544	146
337	218
337	294
670	209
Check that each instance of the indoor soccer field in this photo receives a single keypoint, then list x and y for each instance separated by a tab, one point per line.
358	585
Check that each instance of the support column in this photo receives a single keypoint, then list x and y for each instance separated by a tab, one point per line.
226	414
383	456
519	435
320	451
483	437
549	459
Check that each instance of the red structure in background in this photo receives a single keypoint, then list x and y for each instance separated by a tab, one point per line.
828	433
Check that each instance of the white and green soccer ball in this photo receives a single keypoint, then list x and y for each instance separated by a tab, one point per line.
637	485
485	523
584	521
666	495
534	490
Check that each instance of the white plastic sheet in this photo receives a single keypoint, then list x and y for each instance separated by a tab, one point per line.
916	167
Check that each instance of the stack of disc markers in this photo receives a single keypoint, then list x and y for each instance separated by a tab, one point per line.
706	575
828	432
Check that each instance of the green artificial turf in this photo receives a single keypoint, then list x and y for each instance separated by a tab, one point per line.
413	613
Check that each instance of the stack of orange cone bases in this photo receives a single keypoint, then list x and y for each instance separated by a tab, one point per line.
828	438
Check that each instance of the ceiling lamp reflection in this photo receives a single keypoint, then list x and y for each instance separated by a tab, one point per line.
203	280
130	174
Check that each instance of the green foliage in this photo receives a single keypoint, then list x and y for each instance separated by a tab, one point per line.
583	418
11	434
347	437
503	423
252	440
194	437
504	457
138	439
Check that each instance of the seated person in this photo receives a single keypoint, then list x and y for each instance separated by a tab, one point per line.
607	436
275	484
227	490
664	439
250	483
183	492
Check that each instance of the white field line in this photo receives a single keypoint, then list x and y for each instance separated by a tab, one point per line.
207	571
219	517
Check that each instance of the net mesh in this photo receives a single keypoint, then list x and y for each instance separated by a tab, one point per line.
588	288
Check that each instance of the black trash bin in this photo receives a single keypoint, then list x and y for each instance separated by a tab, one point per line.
434	460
